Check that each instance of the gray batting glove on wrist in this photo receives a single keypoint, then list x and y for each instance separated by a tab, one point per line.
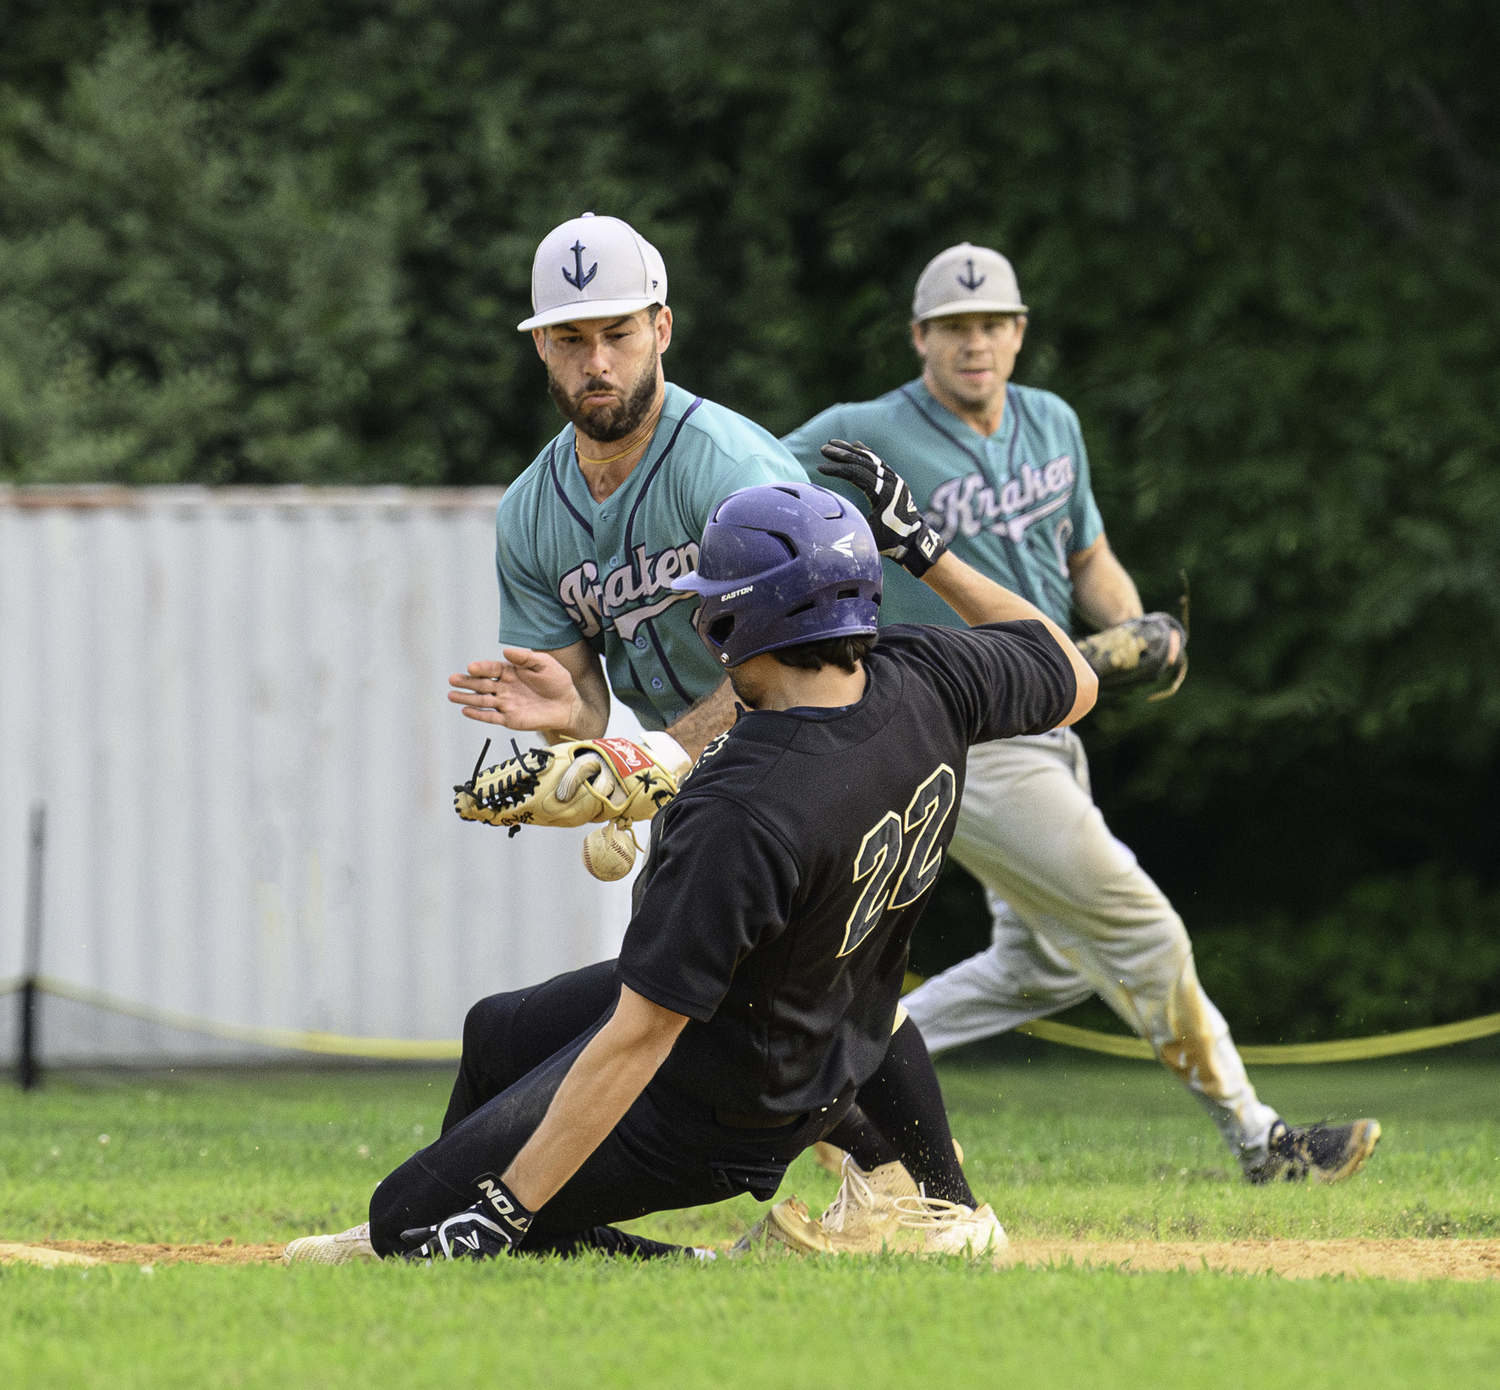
900	529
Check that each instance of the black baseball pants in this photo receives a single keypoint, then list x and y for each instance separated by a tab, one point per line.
666	1153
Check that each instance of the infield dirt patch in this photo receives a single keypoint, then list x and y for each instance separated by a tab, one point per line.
1292	1259
1466	1260
92	1252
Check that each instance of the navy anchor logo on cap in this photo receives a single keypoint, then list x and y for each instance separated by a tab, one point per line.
579	280
971	283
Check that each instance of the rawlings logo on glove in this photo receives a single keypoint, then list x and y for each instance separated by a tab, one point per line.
568	784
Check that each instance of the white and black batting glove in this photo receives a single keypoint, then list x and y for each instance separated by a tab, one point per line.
900	529
494	1225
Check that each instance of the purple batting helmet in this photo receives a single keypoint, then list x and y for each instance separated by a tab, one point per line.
781	564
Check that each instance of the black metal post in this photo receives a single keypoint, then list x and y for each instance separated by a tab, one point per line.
29	1073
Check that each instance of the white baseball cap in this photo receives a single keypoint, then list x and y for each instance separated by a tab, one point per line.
966	279
594	268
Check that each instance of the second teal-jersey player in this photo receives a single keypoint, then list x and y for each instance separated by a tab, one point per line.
1001	474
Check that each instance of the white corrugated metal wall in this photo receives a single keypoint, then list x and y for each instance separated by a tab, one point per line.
232	704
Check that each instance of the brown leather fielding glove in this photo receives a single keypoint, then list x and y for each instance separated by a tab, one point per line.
1135	653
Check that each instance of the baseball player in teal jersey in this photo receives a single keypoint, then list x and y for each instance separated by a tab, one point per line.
590	537
1001	474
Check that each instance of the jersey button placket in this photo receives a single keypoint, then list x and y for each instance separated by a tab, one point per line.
994	453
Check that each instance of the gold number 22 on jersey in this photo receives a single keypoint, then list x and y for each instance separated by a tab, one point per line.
881	855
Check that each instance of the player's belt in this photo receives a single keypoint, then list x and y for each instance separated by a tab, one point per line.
734	1121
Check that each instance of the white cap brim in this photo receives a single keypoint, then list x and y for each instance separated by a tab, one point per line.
585	309
972	306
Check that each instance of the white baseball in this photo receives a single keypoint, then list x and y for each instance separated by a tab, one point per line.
609	852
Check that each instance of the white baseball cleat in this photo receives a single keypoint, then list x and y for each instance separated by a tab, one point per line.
950	1228
862	1219
884	1210
341	1249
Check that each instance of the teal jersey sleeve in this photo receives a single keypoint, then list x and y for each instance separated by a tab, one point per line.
805	444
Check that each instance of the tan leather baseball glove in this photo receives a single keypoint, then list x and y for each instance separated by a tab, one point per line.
568	784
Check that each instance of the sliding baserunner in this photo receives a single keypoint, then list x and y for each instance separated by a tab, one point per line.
760	975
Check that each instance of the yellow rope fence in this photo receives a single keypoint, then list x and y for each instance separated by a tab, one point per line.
1281	1054
444	1050
298	1040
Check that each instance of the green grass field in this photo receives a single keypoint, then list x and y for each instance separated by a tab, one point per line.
1063	1146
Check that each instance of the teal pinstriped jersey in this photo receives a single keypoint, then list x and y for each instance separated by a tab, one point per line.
572	569
1014	506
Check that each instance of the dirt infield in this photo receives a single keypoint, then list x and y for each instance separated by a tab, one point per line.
94	1252
1468	1260
1291	1259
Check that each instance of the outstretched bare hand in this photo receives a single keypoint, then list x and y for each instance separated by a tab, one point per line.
528	690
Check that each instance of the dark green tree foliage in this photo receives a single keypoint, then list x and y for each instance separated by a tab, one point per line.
275	241
181	302
1396	953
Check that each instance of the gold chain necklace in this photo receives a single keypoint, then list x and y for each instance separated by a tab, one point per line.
647	427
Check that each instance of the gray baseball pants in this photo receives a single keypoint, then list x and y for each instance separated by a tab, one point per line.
1075	915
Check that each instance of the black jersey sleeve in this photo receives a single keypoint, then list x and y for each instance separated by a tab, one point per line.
1005	678
721	884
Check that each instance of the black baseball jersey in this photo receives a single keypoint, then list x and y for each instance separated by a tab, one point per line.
788	873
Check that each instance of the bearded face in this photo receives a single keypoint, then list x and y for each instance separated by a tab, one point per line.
606	420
